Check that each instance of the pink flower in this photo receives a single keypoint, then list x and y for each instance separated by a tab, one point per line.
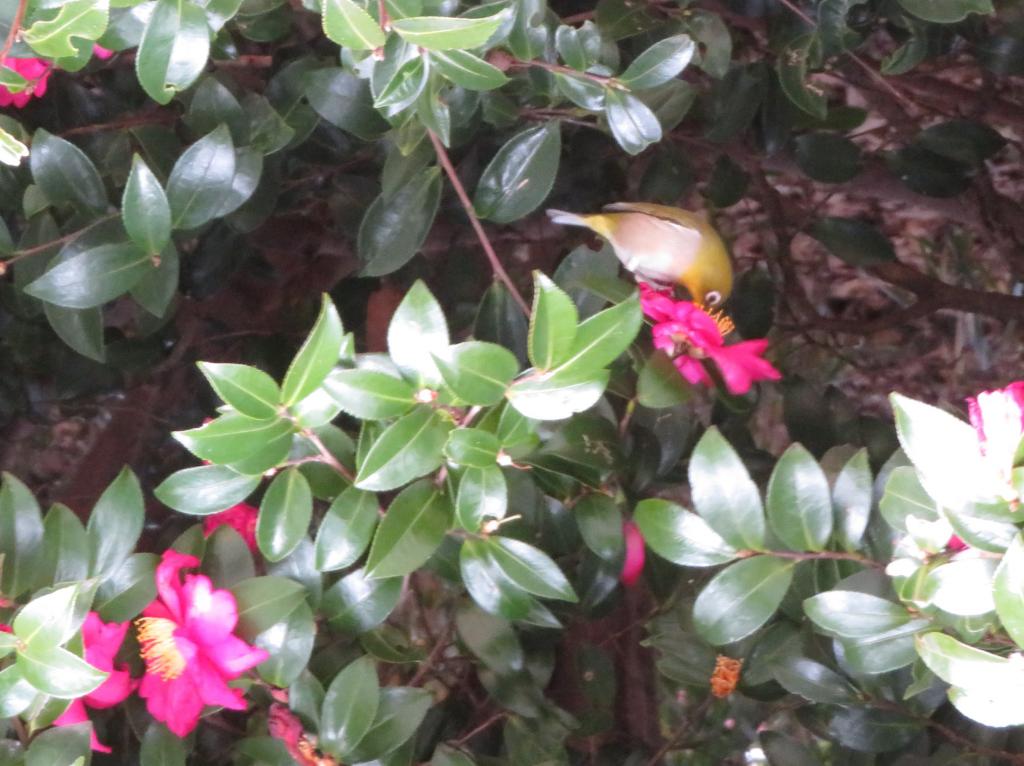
102	641
36	71
956	545
188	644
998	419
101	53
633	564
5	629
689	335
241	518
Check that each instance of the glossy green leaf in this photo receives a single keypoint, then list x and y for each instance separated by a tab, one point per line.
557	395
249	390
21	537
552	324
173	50
289	644
145	209
477	372
60	746
491	588
345	101
115	524
799	501
347	24
600	339
264	602
349	707
65	174
65	553
93	277
854	615
418	331
482	494
12	150
472	447
204	490
792	69
827	157
399	714
520	176
529	568
16	694
285	513
233	437
370	395
814	682
632	122
57	672
946	11
410	531
680	536
201	179
346	529
966	666
1008	590
600	524
659	384
162	748
407	449
441	33
129	589
84	20
396	226
659	63
852	497
48	620
741	598
853	241
318	354
724	494
467	70
357	603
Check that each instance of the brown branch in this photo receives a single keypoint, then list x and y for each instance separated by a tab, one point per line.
826	555
36	249
12	34
467	205
133	121
326	456
600	79
499	716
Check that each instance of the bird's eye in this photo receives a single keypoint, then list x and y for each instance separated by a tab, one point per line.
713	298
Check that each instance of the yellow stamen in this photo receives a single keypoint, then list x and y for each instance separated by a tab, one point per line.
156	636
722	322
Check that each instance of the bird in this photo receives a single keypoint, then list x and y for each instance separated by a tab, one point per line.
664	245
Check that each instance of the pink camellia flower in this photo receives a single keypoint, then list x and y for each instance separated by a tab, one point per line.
101	53
955	544
998	419
36	71
5	628
102	642
241	518
689	335
188	644
633	563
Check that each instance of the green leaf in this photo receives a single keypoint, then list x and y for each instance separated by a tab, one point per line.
48	620
851	500
600	339
155	291
783	751
965	666
492	589
418	331
855	242
65	547
370	395
162	748
854	615
404	87
680	536
552	324
395	226
349	707
201	179
600	524
1008	590
410	532
724	494
60	746
477	372
632	122
482	493
115	525
944	450
963	587
659	384
814	682
442	33
205	490
289	644
57	672
345	101
491	639
265	601
65	174
93	277
21	537
557	395
129	589
407	449
349	25
16	694
81	329
285	513
792	66
827	157
741	598
319	353
173	50
227	559
12	151
233	437
346	529
145	209
799	501
472	447
83	19
356	603
946	11
468	71
249	390
964	141
399	714
529	568
659	63
520	176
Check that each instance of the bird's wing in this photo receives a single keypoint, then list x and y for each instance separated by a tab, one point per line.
683	218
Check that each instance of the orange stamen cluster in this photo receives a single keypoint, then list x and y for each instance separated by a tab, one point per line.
722	322
726	676
156	637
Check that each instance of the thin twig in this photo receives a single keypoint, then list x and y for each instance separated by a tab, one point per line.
467	205
499	716
435	654
600	79
12	34
134	121
691	722
821	555
36	249
326	456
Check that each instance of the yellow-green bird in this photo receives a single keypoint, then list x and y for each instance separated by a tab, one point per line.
663	244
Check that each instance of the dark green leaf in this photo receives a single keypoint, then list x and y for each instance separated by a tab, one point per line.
946	11
472	447
724	494
162	748
477	372
57	672
115	525
552	324
792	69
81	329
600	339
632	122
356	603
264	602
319	353
827	157
520	176
205	490
799	502
233	437
349	707
344	101
680	536
851	500
346	529
600	524
93	277
173	50
201	179
65	174
285	513
855	242
395	227
814	682
529	568
65	547
289	644
370	395
145	209
21	537
467	70
129	589
854	615
741	598
410	532
482	493
61	746
418	331
407	449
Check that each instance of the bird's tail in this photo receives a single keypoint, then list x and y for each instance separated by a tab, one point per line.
568	219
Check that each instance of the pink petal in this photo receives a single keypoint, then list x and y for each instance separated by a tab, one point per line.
241	518
233	656
692	370
101	53
75	713
633	565
113	691
956	544
210	615
102	641
213	688
176	703
168	585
